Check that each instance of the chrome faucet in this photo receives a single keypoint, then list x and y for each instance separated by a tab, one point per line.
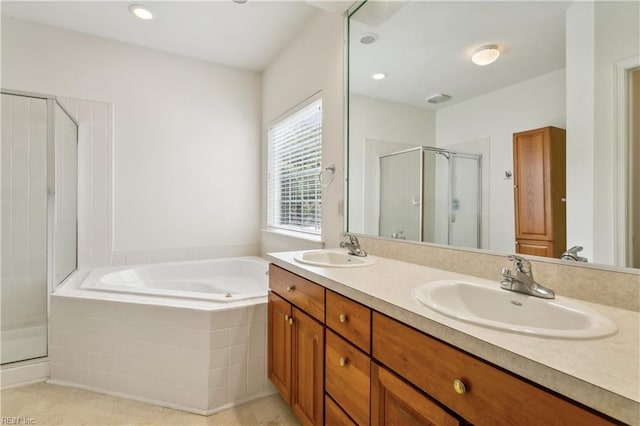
398	235
572	254
520	279
351	243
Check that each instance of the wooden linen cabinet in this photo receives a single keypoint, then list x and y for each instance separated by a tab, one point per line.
539	170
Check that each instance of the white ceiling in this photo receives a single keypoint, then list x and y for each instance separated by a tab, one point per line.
247	36
425	47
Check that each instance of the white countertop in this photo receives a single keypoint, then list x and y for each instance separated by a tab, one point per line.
603	373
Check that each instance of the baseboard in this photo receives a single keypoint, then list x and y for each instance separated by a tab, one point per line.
24	373
162	403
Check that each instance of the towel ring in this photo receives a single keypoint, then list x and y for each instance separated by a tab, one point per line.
322	181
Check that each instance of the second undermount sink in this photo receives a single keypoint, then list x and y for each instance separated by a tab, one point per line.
505	310
329	258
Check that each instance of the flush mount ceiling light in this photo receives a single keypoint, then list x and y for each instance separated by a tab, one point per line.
141	11
240	1
438	98
369	38
379	76
484	55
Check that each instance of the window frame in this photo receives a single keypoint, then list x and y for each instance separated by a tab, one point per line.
272	219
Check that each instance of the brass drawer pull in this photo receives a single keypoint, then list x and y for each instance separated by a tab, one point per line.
459	387
343	318
290	288
343	362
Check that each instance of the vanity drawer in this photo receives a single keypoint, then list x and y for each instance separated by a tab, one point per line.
479	392
347	377
349	319
303	293
334	415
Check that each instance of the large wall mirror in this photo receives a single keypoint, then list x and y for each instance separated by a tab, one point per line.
431	133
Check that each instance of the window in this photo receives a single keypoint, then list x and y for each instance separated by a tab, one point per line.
294	195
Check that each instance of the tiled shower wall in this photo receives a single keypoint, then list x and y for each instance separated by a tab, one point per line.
95	145
24	213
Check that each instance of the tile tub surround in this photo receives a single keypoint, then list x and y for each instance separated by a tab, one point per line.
603	374
198	360
601	285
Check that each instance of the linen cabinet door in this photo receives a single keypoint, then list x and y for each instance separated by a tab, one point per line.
394	402
279	344
307	399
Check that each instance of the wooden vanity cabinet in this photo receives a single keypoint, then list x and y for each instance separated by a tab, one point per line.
539	174
360	367
296	343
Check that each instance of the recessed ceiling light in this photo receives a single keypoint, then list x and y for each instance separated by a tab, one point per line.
369	38
438	98
484	55
141	11
379	76
240	1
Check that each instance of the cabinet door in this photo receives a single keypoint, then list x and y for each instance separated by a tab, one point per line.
394	402
532	185
279	345
308	362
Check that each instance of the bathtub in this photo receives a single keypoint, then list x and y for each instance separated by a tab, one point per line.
185	335
220	280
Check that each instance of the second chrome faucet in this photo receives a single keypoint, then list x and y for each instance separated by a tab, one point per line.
520	279
351	243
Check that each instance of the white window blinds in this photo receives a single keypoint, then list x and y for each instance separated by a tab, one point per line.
294	158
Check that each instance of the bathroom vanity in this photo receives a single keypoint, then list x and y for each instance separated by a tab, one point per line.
352	346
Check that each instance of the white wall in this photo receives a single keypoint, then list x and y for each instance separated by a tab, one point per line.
580	102
534	103
186	155
312	62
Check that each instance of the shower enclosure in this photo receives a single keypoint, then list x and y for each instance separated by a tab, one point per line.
432	195
39	158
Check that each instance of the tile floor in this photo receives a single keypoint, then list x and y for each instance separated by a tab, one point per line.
44	404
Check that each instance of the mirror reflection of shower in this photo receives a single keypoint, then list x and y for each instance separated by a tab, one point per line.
431	194
39	214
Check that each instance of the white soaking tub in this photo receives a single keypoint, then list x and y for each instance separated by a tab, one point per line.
221	280
187	335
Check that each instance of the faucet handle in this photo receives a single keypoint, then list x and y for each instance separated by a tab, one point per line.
520	263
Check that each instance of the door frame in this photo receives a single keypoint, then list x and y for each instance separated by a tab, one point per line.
622	142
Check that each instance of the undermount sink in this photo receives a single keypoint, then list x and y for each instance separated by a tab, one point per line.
332	259
505	310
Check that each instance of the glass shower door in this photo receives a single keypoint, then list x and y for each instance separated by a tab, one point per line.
464	215
24	228
401	195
